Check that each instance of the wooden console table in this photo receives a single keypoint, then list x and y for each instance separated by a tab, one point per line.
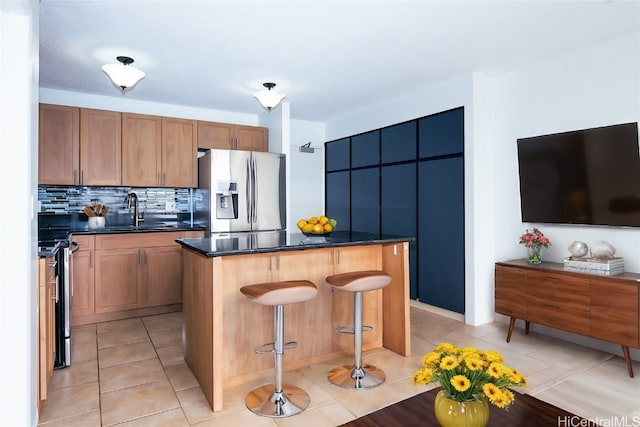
601	307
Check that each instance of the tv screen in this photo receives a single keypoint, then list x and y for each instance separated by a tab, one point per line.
589	176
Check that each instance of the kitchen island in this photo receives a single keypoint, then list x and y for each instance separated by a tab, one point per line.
222	327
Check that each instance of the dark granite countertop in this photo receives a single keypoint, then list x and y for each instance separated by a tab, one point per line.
221	244
142	228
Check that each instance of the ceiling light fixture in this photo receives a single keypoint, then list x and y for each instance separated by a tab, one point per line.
123	74
269	98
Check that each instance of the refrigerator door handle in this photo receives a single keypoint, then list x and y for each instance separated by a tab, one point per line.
254	187
248	192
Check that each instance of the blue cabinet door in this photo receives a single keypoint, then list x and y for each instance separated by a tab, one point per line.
365	149
441	134
337	155
441	233
398	142
398	210
338	198
365	200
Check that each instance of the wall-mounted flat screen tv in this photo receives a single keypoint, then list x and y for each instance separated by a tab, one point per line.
589	176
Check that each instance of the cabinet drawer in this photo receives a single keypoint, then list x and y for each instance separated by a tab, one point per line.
138	240
86	242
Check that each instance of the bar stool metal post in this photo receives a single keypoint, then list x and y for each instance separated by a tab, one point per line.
357	376
278	400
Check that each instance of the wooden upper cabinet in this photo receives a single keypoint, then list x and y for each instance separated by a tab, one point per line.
59	145
179	153
100	147
227	136
141	150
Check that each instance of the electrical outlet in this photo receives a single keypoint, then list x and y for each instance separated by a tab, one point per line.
170	206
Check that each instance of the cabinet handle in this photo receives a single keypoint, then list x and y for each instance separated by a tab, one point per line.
81	176
144	256
164	179
75	176
159	179
90	259
395	250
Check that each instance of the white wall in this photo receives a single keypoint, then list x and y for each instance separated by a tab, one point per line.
592	87
18	178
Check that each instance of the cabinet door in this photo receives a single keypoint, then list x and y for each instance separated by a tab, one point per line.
365	149
59	145
365	200
398	143
559	301
179	153
100	147
399	210
614	312
252	138
161	276
215	135
141	150
441	237
441	134
510	291
338	155
82	277
338	198
116	281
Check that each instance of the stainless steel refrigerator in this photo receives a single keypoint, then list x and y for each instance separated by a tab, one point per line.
241	191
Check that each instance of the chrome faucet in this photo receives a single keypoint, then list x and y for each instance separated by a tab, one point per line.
132	198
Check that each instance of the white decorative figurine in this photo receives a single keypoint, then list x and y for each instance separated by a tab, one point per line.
602	250
578	249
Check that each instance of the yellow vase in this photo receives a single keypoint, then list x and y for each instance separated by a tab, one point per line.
451	413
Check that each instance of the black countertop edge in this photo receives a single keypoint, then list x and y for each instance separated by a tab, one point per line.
118	229
223	244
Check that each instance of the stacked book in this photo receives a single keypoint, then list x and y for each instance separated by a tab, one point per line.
605	267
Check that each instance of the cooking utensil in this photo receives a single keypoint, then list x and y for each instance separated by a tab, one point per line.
89	211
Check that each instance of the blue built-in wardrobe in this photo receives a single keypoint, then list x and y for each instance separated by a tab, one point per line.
407	179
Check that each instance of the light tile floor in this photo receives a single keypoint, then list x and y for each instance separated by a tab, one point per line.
131	373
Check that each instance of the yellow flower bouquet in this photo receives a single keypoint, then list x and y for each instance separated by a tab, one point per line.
467	373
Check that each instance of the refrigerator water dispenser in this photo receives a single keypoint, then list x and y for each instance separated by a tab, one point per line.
227	200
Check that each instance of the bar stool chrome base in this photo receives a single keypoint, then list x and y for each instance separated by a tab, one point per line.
267	402
349	376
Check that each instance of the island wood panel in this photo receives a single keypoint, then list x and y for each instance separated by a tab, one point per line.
396	315
614	312
559	301
222	327
202	324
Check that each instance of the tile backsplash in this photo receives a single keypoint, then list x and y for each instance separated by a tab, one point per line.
154	201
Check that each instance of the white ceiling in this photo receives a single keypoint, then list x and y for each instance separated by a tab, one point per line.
329	57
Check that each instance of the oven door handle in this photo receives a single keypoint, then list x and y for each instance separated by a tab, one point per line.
74	247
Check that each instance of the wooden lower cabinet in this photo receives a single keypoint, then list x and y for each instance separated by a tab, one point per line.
602	307
124	275
46	325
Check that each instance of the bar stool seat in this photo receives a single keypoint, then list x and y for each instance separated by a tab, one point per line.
278	400
357	376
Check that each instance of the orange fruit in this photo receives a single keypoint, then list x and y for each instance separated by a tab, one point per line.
313	220
301	224
328	228
323	220
317	228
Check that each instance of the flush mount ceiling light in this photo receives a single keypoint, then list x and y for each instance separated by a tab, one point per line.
123	74
268	97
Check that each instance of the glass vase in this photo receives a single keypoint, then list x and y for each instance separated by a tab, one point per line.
534	254
451	413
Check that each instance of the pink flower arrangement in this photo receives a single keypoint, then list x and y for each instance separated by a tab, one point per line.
533	238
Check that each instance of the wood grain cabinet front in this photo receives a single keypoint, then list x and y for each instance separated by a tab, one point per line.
46	326
59	145
602	307
82	278
227	136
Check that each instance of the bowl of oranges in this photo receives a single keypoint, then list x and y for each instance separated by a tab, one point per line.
317	225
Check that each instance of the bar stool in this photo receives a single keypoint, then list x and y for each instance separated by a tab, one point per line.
357	376
278	400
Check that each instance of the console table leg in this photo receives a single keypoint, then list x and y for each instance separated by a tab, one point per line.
512	323
526	327
627	358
